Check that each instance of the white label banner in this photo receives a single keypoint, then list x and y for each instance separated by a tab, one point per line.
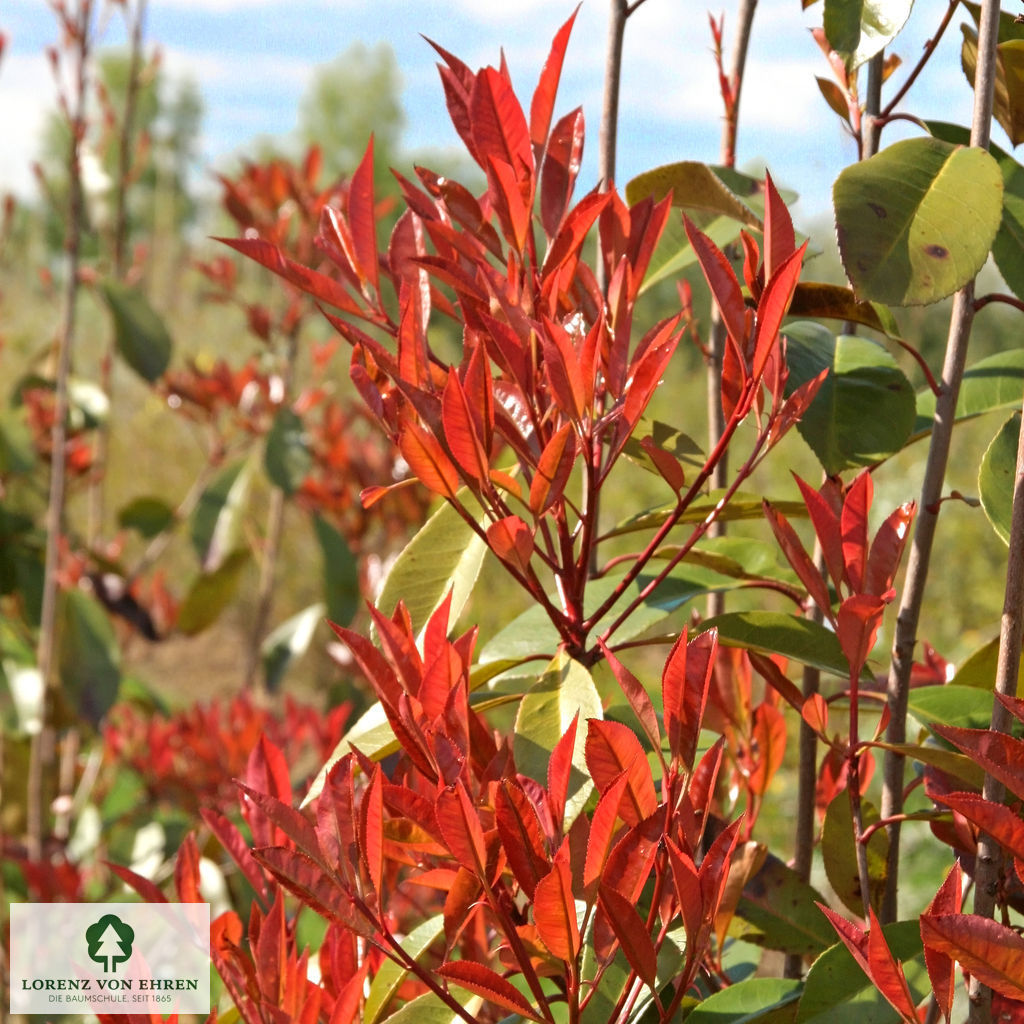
110	958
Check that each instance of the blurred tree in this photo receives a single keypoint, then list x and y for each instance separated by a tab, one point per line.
168	119
356	94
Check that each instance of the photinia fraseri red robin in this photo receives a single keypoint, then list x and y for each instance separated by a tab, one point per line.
521	433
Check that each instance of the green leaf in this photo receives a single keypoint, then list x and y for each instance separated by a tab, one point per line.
287	459
288	641
389	976
858	29
1008	248
215	526
532	633
1008	101
17	452
997	475
694	186
88	655
140	333
742	506
1009	27
545	714
673	253
865	409
777	911
445	555
837	991
210	593
916	221
743	558
340	573
958	765
839	853
993	383
147	515
765	1000
814	299
427	1009
965	706
777	633
979	670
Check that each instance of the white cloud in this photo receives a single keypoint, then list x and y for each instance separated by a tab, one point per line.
27	94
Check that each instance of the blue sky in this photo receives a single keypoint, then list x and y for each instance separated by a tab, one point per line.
252	60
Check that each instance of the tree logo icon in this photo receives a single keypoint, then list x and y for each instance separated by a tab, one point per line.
110	941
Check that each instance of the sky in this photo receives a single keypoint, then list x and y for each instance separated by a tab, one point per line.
253	59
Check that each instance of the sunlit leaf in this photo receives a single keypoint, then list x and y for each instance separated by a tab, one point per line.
215	524
993	953
390	975
997	475
287	642
858	29
564	691
694	186
754	999
917	221
445	555
839	853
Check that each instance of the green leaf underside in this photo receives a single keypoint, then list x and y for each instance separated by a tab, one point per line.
837	990
697	187
993	383
390	975
997	475
445	555
916	222
865	409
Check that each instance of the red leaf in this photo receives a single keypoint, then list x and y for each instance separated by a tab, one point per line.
371	829
722	281
857	623
428	461
288	821
512	541
559	771
362	217
854	526
553	469
554	911
815	713
543	101
1000	755
573	232
459	823
270	953
602	831
266	772
638	698
611	749
797	556
1015	705
990	951
887	974
484	982
513	201
854	938
237	847
772	308
142	885
632	858
1001	823
887	549
941	968
684	686
646	373
632	934
687	886
779	240
561	167
460	431
826	525
521	835
498	124
562	369
769	735
320	286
